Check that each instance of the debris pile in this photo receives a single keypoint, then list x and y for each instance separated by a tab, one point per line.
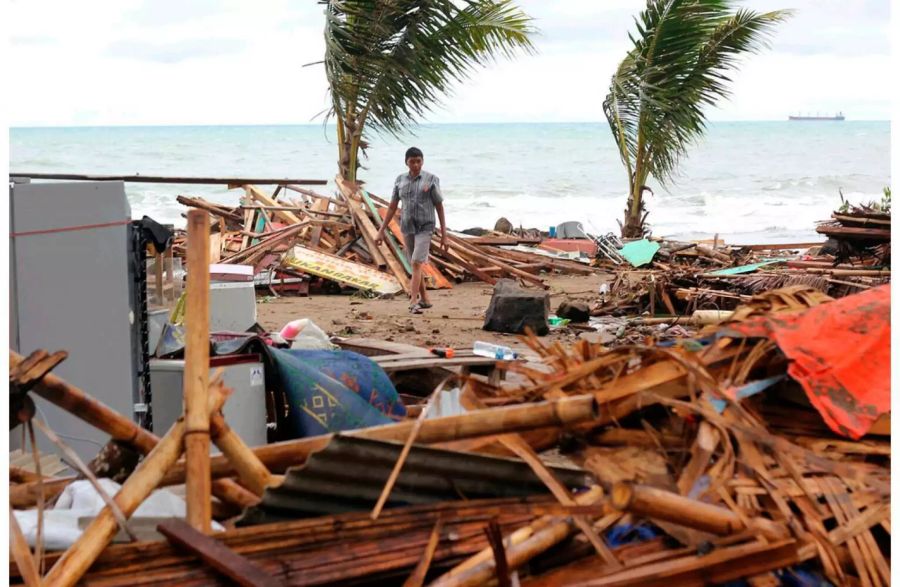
663	278
861	234
744	452
311	235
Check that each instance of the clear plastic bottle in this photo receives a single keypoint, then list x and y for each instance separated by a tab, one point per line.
494	351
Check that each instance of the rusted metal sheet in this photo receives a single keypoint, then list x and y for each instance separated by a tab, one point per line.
350	473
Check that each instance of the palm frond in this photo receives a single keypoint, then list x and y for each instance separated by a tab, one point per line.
683	54
391	61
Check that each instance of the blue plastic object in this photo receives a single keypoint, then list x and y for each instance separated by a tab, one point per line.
622	534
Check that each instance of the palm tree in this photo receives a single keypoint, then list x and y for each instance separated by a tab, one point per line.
388	62
683	54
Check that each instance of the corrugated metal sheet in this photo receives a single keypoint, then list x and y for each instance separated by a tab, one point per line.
350	474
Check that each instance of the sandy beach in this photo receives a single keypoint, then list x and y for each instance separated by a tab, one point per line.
455	320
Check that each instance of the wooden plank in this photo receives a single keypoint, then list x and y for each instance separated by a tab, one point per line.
370	232
218	556
430	363
855	233
248	227
504	240
316	234
459	260
390	237
704	446
172	179
778	246
473	251
259	196
341	270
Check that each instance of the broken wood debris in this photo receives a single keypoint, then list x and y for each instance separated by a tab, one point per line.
263	231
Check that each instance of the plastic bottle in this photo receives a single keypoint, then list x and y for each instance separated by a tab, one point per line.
494	351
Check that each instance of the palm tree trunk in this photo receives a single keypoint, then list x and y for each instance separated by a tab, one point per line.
633	227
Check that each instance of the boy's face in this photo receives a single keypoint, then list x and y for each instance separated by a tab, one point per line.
415	165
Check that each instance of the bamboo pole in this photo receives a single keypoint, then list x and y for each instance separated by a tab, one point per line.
650	502
72	565
196	374
21	553
516	538
250	469
545	533
96	413
281	455
523	450
80	404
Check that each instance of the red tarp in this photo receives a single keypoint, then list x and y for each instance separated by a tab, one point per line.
840	353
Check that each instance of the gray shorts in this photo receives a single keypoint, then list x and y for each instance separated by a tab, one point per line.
417	246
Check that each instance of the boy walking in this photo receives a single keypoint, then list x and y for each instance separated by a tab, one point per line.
420	193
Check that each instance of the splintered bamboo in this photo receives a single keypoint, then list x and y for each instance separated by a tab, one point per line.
480	564
196	374
281	455
545	533
72	565
650	502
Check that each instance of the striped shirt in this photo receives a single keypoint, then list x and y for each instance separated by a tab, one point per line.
418	195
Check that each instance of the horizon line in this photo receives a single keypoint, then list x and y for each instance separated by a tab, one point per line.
250	125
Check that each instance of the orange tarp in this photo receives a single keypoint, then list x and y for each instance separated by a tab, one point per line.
840	353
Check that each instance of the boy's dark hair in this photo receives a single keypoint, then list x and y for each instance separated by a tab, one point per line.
413	152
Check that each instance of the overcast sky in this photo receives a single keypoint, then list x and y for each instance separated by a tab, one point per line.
99	62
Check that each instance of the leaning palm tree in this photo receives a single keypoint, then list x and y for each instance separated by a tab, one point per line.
388	62
684	51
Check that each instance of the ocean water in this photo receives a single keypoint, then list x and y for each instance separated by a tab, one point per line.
746	181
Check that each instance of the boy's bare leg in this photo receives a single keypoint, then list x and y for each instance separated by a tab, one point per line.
415	285
423	289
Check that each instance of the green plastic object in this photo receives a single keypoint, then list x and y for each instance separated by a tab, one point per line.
639	252
557	321
745	268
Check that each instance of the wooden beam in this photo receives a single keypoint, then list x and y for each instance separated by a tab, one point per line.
239	569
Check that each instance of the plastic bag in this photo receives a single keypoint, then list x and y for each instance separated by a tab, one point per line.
305	334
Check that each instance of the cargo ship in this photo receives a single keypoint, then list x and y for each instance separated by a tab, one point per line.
838	116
